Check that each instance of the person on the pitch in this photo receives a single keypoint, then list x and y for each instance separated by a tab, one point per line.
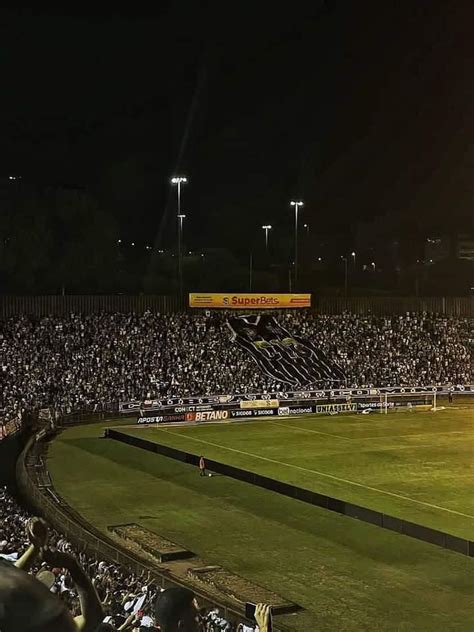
202	466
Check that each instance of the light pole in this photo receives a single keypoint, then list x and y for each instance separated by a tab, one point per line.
181	218
307	228
373	265
179	180
296	204
266	228
345	276
353	255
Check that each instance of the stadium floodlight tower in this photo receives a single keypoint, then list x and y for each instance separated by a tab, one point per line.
266	228
178	181
296	204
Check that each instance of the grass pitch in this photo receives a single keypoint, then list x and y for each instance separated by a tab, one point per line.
348	575
417	466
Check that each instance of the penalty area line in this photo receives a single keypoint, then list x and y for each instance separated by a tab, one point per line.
325	475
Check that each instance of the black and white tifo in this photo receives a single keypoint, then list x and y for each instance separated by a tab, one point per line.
287	358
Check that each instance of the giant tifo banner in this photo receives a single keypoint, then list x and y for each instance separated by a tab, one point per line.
284	356
249	301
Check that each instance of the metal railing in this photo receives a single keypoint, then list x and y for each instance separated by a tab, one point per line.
461	306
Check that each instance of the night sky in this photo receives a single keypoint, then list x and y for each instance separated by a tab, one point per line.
361	109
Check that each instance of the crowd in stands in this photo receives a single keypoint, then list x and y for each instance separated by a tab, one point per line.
92	362
79	591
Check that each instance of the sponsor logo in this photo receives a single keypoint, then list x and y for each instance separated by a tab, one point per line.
212	415
161	418
302	411
365	405
260	403
262	413
335	408
241	413
150	420
284	410
242	301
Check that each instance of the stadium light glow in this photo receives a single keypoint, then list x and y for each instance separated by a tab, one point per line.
266	228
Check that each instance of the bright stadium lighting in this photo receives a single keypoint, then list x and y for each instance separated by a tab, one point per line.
266	228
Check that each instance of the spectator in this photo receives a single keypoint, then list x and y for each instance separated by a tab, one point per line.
90	363
121	599
176	610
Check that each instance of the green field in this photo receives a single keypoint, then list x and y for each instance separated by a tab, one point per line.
417	466
348	575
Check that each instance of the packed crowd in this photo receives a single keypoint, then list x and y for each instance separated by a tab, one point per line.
92	362
110	596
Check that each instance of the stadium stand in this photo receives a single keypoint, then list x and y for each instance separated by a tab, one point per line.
81	363
128	601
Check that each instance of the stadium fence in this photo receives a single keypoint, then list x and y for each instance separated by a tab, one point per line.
89	304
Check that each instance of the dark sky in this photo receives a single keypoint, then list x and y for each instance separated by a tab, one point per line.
361	108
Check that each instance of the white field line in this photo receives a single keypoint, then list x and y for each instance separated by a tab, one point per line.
331	476
421	434
327	434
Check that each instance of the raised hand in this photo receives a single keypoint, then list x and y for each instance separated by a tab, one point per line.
37	531
263	616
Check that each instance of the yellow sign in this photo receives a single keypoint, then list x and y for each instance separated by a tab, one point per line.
249	301
260	403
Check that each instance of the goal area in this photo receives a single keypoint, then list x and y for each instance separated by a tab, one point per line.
397	402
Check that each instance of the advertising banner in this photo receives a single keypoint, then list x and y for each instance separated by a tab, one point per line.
158	419
335	408
253	412
296	410
260	403
208	415
249	301
206	401
9	427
